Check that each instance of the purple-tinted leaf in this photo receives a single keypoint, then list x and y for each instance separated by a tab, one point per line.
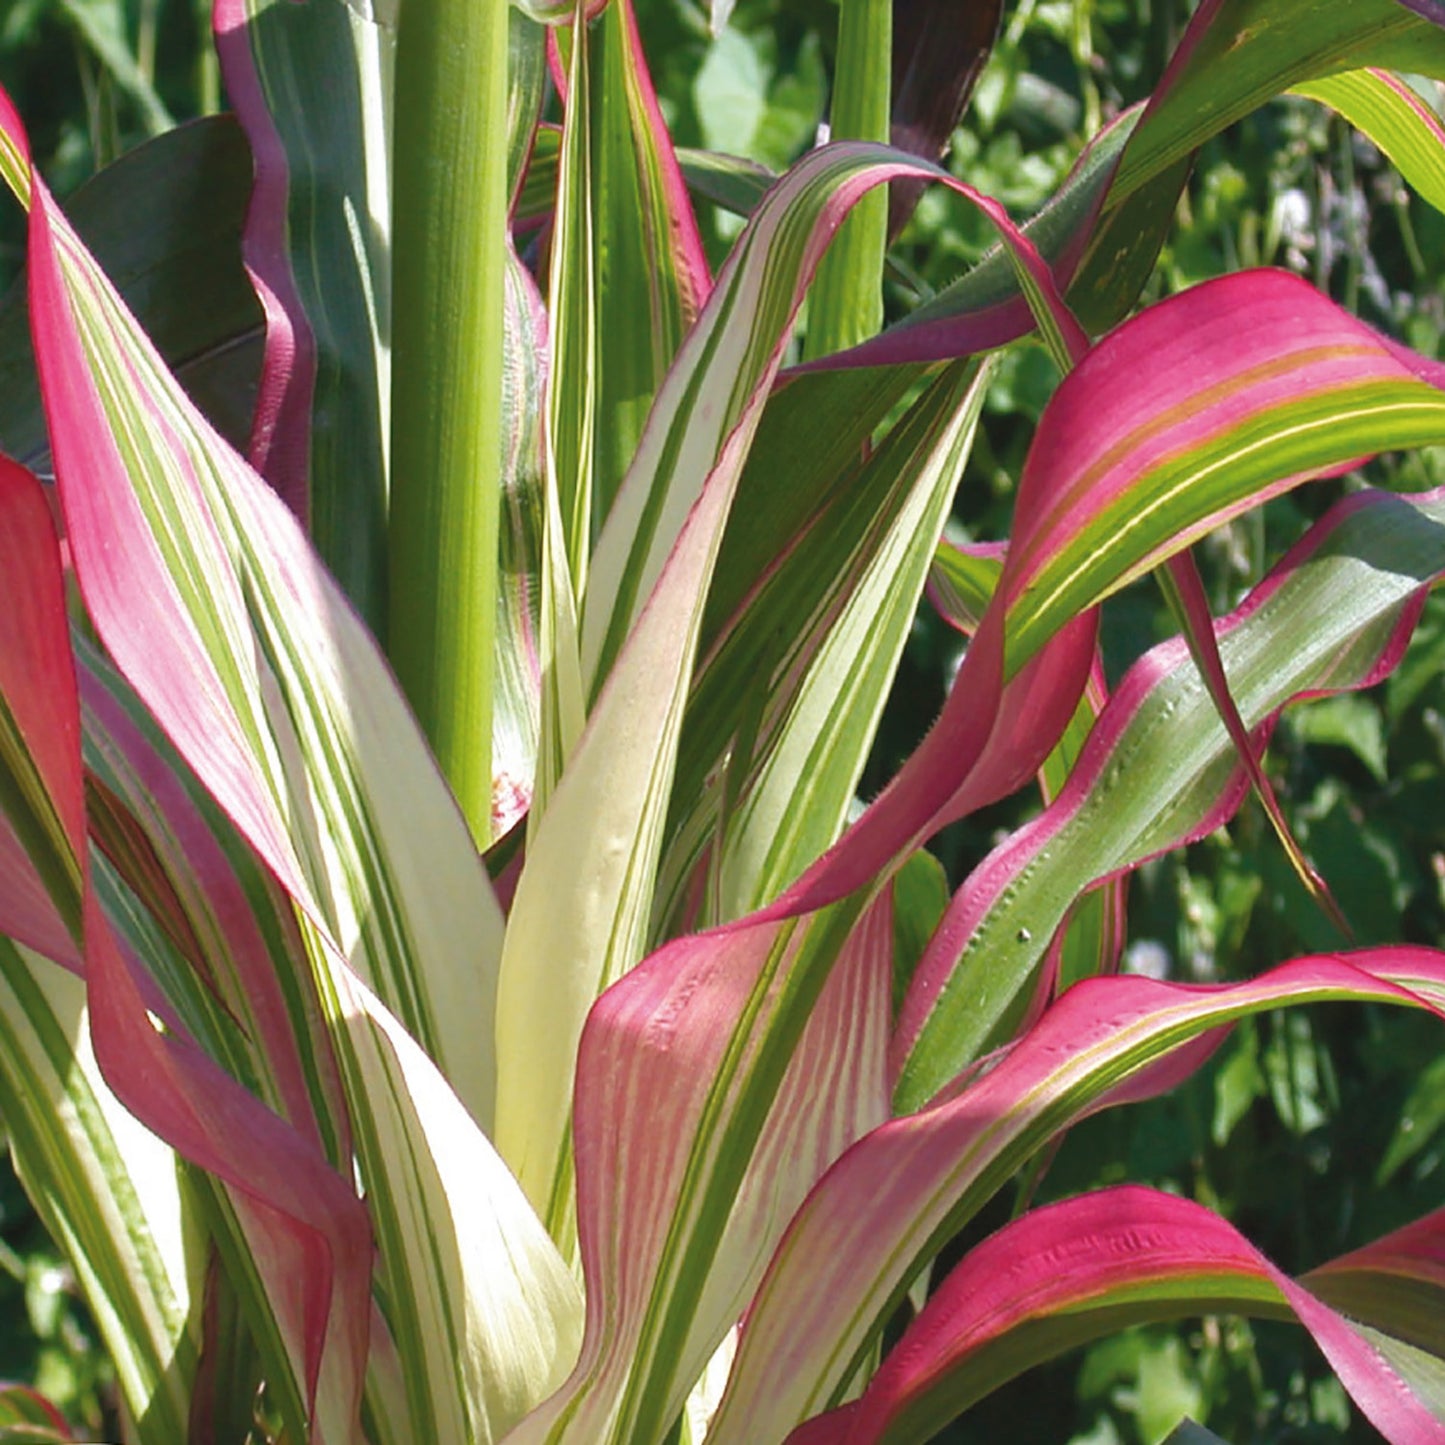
1395	1284
231	921
1111	216
40	896
1432	10
939	51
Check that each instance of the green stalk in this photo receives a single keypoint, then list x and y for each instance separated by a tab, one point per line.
845	305
450	148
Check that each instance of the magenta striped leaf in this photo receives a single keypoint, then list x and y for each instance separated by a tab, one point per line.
882	1211
978	967
1124	474
317	1238
1106	224
232	923
644	605
1069	1273
1395	1285
243	647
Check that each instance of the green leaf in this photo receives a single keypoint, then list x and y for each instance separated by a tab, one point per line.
164	222
1160	770
790	785
311	85
101	24
658	549
845	305
104	1186
1385	108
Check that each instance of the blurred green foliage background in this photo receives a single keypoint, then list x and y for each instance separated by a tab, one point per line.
1312	1131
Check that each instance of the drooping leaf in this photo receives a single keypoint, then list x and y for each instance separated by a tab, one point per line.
1106	224
217	586
1160	725
1014	696
1074	1271
912	1183
666	524
103	1185
271	653
1394	116
317	1234
1394	1285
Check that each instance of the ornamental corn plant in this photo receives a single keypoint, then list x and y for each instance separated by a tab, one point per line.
451	991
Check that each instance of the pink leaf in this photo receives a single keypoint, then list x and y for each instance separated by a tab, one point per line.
857	1242
1059	1264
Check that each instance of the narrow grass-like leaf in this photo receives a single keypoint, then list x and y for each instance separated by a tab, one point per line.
232	924
653	276
913	1182
311	85
485	1314
683	439
1271	45
1072	1272
1160	722
574	377
992	734
104	1186
961	582
984	308
664	1287
43	903
845	305
662	538
815	432
270	654
792	788
1184	591
316	1233
1398	120
192	569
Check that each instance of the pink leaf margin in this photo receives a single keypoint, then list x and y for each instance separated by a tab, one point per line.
993	877
321	1265
1088	1253
281	423
852	1249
